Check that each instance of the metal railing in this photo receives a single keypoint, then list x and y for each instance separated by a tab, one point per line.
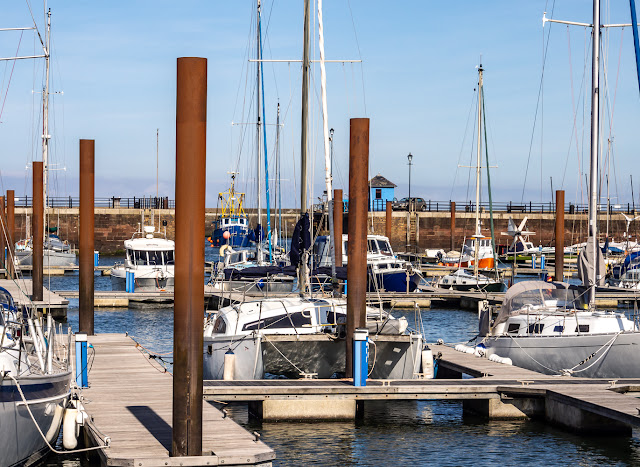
113	202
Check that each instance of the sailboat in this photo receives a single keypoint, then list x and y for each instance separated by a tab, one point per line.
57	252
477	251
554	328
302	335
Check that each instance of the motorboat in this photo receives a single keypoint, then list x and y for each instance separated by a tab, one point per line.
297	336
548	327
385	272
626	273
149	256
466	258
35	383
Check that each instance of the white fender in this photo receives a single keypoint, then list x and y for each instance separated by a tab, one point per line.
54	429
229	366
427	363
224	249
69	438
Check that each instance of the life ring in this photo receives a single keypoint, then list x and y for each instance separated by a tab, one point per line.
224	249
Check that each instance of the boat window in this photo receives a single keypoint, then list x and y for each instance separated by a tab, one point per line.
371	246
513	328
129	254
536	328
220	326
297	319
558	328
168	257
582	328
155	258
385	248
140	257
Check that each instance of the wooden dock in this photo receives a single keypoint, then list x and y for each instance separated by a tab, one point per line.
130	401
496	390
21	290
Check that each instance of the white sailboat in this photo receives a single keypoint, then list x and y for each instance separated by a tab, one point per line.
477	251
57	252
301	335
554	328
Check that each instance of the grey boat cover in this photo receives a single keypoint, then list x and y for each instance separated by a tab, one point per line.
586	262
531	296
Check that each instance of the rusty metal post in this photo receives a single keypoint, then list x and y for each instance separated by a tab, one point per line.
11	228
3	232
357	246
387	226
86	234
191	125
37	230
453	225
559	235
338	210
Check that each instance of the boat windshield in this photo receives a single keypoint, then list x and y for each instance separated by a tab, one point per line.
528	296
385	248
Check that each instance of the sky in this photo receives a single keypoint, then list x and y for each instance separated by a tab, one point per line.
114	78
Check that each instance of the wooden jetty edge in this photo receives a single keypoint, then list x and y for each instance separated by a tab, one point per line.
496	390
51	302
130	401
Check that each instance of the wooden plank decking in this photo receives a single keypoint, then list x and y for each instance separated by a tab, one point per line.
21	291
130	401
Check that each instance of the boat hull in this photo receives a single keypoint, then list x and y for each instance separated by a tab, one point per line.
238	237
149	282
392	357
20	441
552	354
395	281
51	258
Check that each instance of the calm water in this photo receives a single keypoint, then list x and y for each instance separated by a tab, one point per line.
397	433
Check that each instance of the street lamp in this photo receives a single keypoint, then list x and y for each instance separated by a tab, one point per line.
409	158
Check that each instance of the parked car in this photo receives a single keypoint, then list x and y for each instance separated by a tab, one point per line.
419	204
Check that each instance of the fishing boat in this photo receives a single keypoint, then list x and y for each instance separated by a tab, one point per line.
385	272
149	258
231	228
35	385
555	328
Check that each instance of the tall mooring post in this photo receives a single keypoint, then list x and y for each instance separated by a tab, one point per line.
191	125
37	231
86	234
453	225
559	256
388	220
357	246
338	210
3	232
11	228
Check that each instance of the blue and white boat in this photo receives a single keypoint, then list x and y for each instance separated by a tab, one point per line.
232	219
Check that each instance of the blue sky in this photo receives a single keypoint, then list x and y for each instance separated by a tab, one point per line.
115	63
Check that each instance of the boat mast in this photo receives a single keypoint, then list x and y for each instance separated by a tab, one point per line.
478	235
258	129
595	113
45	122
327	153
302	280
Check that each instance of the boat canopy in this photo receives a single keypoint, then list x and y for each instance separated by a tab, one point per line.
526	296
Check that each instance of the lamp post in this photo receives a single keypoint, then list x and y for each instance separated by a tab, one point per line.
409	158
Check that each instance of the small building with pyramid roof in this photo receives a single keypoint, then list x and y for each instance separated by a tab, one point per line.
381	190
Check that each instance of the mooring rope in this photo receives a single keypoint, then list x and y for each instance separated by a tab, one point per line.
107	440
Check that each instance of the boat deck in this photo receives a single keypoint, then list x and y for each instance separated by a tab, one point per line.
130	400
